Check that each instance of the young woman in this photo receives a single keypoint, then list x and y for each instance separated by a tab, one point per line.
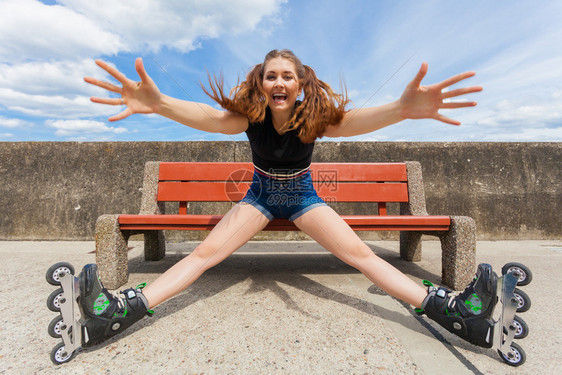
281	131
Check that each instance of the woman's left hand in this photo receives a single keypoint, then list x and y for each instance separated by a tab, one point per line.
425	101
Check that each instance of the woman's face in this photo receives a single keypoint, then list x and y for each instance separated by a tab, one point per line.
281	85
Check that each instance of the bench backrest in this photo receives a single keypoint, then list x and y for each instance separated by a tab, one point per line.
335	182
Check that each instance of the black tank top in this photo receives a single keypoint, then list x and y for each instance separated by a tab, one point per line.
276	153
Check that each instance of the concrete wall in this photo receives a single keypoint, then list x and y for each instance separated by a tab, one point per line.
55	191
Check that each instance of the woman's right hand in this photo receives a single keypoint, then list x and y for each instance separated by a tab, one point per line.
139	97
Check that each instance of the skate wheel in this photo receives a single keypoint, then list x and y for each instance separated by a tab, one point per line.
521	328
523	300
54	272
515	357
56	327
60	355
525	275
55	300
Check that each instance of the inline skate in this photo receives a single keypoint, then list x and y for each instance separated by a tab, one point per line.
470	314
89	313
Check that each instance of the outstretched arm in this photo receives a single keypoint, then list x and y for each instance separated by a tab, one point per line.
145	97
416	102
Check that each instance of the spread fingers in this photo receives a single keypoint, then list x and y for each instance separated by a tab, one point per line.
104	85
111	70
463	91
110	101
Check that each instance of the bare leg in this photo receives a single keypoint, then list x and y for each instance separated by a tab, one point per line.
236	228
326	227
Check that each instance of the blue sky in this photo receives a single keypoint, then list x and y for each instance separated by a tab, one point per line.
376	47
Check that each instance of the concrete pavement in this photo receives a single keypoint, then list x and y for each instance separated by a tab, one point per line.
275	308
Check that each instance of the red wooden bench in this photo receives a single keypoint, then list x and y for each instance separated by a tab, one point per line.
381	183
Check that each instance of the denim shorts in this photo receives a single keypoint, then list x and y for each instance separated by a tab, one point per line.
283	198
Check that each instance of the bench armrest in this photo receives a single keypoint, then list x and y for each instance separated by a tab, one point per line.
416	193
149	200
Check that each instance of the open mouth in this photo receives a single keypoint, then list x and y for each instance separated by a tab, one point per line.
279	98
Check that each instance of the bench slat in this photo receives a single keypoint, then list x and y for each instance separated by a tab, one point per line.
234	191
357	222
205	171
324	172
354	172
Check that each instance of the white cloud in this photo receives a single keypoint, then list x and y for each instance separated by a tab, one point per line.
176	24
72	128
46	50
63	77
535	115
30	30
509	113
533	134
53	89
6	135
56	106
13	122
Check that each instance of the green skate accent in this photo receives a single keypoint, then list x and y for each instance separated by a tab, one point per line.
421	311
121	316
100	304
474	304
449	314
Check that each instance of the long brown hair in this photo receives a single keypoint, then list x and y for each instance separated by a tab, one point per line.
320	107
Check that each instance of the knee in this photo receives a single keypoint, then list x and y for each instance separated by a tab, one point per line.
203	253
358	255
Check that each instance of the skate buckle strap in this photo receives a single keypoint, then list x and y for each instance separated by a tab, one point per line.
143	299
121	304
131	293
430	289
442	293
